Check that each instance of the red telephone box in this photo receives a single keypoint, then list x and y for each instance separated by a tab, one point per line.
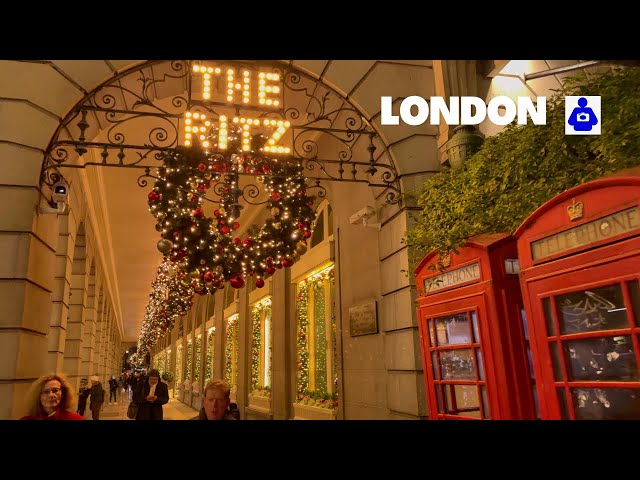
472	334
580	261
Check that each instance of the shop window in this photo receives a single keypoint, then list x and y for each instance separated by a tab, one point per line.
458	366
595	356
231	351
317	376
323	227
261	347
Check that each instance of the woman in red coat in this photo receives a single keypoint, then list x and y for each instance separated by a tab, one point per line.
51	398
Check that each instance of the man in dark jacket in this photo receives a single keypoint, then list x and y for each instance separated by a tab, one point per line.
97	397
150	395
83	394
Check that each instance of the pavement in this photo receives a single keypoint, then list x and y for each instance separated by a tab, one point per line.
174	410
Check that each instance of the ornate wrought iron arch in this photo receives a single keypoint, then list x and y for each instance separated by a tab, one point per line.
134	118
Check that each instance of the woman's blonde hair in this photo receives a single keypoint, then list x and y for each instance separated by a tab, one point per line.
34	405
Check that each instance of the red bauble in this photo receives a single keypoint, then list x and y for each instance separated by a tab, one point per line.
278	265
237	281
307	233
220	249
202	188
236	225
216	213
236	241
202	292
268	260
176	234
247	242
153	196
259	282
202	167
287	262
310	202
208	277
276	196
270	269
198	213
225	229
301	226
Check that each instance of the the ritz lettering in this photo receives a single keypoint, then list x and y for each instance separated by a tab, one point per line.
239	91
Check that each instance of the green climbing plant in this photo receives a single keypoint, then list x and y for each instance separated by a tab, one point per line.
522	167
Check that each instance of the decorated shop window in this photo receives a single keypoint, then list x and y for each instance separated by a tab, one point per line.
261	348
317	376
592	336
231	351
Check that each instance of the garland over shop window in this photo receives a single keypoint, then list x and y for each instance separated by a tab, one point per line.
179	366
211	336
231	351
189	356
316	352
196	372
261	348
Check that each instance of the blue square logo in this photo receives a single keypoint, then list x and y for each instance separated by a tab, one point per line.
582	115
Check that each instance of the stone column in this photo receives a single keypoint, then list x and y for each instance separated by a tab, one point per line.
453	78
99	328
283	351
27	265
77	302
244	352
89	330
60	297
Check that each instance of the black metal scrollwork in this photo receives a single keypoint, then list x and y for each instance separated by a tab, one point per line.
137	116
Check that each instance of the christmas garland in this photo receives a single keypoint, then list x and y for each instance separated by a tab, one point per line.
256	313
209	366
231	336
196	373
204	247
171	297
302	319
188	374
179	366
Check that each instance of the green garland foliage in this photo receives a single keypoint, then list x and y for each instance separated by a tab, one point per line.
522	167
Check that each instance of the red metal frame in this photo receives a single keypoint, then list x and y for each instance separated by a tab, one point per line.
607	262
496	300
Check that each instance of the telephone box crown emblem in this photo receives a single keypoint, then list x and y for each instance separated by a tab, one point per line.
575	210
445	260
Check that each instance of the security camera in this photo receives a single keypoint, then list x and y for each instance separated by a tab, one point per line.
60	192
363	215
58	203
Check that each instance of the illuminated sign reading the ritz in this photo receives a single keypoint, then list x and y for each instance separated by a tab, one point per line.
238	90
501	110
